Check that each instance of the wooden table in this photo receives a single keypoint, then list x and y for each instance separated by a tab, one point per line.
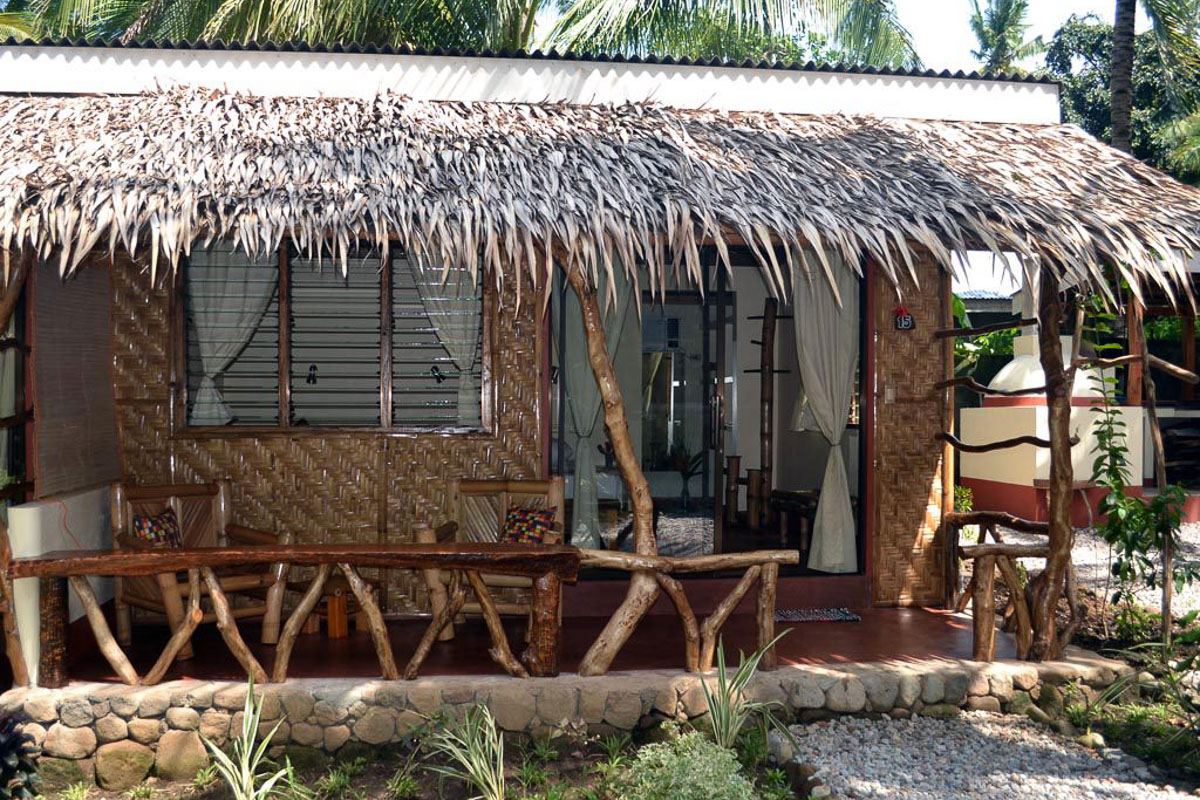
547	565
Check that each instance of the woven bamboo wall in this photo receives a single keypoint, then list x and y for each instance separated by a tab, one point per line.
910	470
325	488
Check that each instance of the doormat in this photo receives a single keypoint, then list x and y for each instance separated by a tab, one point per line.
816	615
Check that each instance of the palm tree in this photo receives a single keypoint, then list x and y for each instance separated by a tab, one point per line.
1174	25
1000	29
15	22
862	31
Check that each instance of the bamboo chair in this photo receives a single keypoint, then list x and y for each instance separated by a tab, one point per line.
479	509
203	512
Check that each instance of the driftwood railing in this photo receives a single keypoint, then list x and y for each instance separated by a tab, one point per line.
700	638
547	566
987	558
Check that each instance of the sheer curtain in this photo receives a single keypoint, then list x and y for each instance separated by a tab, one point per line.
583	401
455	310
227	293
827	349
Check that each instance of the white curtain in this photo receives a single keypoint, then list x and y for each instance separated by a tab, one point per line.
827	349
227	294
455	310
583	402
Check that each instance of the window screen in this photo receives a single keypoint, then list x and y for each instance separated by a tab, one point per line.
437	337
335	342
232	308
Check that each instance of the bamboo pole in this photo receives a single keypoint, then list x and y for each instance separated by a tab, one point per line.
766	411
295	623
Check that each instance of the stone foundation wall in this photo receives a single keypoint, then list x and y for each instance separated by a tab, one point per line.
116	734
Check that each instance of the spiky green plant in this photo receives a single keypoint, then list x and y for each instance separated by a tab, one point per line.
728	707
244	768
18	769
475	749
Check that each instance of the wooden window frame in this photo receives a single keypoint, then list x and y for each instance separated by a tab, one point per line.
178	368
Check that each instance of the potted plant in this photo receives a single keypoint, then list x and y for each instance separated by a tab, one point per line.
687	465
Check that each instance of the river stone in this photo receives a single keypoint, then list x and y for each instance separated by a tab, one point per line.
624	710
180	756
327	713
58	774
940	711
64	742
307	734
110	728
807	693
154	703
336	736
297	705
198	697
75	712
910	690
592	702
183	719
1019	702
231	698
933	688
214	725
35	732
513	706
1001	686
407	722
984	703
1051	700
956	688
977	684
376	726
1037	715
557	703
847	696
122	765
41	707
123	705
882	689
146	731
425	699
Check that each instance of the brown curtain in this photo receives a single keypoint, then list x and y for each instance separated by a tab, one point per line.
74	412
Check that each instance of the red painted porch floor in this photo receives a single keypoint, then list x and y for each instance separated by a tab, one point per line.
883	634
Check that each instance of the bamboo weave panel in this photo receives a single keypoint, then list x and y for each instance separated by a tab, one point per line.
322	488
908	461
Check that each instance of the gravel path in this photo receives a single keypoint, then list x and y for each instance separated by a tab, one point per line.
976	755
1091	558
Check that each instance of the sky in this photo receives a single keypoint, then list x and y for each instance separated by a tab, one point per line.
942	33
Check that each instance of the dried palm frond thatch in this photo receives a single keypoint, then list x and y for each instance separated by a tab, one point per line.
502	186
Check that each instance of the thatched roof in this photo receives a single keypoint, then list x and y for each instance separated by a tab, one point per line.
487	184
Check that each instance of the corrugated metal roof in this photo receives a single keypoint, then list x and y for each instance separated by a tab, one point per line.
536	55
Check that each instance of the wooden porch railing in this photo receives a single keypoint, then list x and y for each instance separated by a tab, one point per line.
548	566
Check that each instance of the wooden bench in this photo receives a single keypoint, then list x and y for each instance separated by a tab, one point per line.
548	566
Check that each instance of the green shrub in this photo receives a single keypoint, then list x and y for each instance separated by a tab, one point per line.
689	766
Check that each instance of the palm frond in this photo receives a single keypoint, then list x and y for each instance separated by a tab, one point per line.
15	25
1175	24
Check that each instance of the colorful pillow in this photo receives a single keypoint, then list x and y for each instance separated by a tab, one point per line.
158	530
528	525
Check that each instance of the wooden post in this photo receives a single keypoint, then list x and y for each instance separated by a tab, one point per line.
541	656
379	633
1046	644
52	666
767	587
691	629
1160	475
1135	335
227	625
441	618
181	635
643	588
1188	328
500	652
767	409
104	636
733	477
711	627
983	609
754	503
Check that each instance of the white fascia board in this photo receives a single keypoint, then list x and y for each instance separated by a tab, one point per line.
100	70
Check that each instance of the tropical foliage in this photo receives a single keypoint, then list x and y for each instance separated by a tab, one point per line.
858	31
1080	56
1000	28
